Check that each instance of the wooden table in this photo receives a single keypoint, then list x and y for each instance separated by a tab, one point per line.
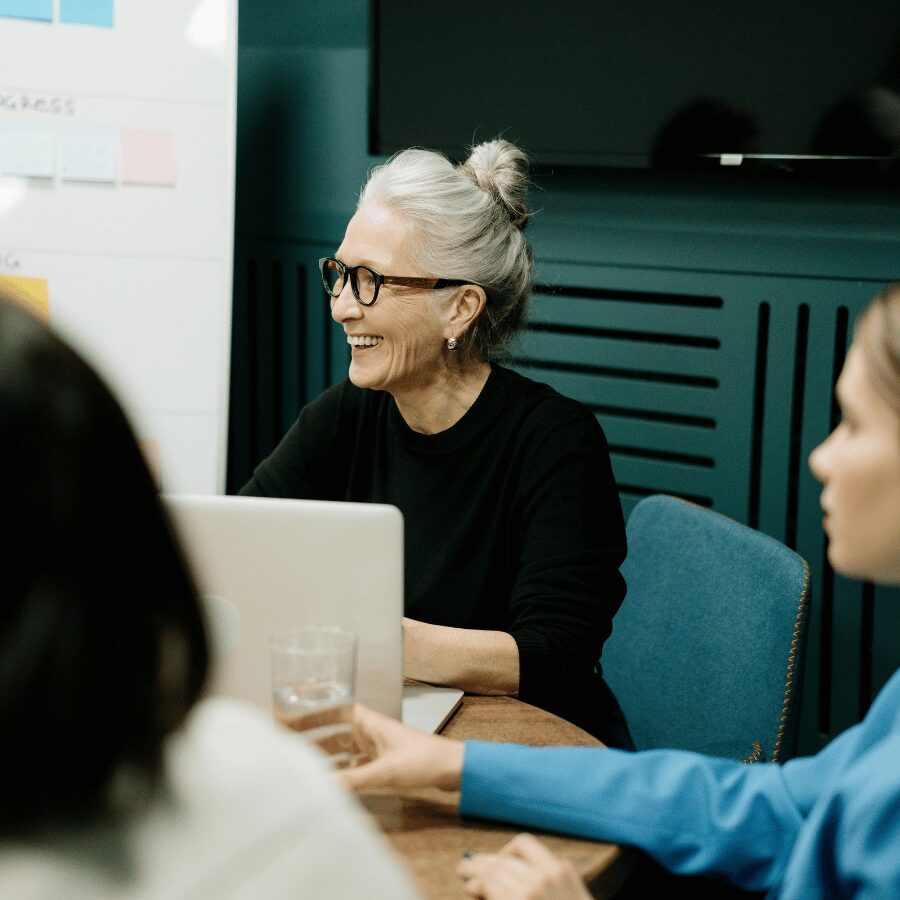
427	831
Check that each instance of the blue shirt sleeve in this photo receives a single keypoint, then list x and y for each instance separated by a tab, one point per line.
818	826
694	814
850	844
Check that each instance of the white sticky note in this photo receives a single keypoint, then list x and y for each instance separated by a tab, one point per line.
89	155
27	152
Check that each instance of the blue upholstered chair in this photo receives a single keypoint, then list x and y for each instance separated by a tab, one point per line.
707	650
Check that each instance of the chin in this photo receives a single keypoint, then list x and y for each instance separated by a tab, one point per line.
375	374
866	568
842	562
359	376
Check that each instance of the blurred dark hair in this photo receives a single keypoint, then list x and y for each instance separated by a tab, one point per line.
103	649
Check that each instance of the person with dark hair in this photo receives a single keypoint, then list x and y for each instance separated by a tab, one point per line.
116	780
513	527
822	826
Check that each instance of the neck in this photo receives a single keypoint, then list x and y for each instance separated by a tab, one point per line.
439	405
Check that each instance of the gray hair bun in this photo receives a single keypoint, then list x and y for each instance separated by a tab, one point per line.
501	169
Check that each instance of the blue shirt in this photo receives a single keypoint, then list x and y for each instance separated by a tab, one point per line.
820	826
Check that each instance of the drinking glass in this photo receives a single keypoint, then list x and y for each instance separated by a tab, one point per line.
313	686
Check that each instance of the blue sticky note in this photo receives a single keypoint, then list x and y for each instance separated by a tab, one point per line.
41	10
86	12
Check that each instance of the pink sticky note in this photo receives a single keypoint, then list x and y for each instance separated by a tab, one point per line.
148	157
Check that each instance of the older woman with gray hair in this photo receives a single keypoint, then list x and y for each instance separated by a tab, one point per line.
514	531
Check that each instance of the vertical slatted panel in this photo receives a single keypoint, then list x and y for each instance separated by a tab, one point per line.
885	629
811	393
841	675
285	347
776	422
293	335
760	372
317	355
817	711
239	452
656	356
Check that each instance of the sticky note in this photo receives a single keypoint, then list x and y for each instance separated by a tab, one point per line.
30	292
87	12
89	155
41	10
148	157
27	153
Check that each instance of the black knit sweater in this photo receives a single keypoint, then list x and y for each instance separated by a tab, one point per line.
512	522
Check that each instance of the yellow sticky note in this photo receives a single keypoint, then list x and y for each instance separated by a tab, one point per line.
31	292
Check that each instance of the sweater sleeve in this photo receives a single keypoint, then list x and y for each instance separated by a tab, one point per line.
694	814
571	543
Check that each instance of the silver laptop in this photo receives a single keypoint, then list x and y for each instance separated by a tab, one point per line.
266	565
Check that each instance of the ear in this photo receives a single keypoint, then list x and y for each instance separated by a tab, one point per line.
466	308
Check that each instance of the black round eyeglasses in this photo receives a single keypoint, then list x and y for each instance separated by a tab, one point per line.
365	282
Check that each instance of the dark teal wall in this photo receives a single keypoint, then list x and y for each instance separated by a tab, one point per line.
302	156
303	23
720	397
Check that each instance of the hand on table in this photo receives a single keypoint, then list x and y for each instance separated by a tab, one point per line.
523	870
401	757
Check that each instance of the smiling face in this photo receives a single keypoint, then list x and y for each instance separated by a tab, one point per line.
397	343
859	466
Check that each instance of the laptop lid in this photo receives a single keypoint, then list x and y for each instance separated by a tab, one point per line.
266	565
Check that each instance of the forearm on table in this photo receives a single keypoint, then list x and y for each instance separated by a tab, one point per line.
693	813
480	662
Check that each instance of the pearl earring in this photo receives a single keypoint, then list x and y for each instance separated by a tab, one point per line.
452	343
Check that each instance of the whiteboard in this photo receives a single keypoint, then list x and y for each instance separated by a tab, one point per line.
117	137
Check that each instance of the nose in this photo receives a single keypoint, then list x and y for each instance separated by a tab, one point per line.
344	307
819	459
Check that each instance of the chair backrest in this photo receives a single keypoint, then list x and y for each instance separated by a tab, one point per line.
707	650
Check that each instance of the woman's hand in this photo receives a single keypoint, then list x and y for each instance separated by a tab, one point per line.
524	868
401	757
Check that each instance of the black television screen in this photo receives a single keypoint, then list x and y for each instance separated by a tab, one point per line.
643	83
